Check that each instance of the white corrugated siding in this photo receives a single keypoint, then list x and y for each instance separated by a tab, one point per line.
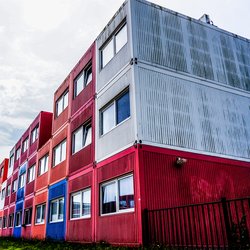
182	113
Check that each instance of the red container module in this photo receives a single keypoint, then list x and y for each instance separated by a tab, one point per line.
4	170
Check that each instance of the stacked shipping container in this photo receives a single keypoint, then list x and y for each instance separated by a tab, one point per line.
155	114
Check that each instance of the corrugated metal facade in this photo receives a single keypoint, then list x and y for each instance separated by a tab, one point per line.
171	40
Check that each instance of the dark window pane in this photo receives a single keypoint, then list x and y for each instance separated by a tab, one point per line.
109	198
123	108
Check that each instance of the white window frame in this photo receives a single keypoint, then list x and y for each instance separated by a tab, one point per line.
85	82
85	130
57	212
21	180
3	193
60	148
11	222
25	145
34	135
20	219
71	204
42	216
29	210
113	103
31	173
64	98
8	189
14	185
43	165
11	162
18	153
116	182
112	42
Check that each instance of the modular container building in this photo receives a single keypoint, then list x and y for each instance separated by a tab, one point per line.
155	115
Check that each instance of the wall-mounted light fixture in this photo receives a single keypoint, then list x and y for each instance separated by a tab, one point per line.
179	162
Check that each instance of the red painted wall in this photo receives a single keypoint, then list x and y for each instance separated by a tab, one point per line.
123	227
45	128
59	171
34	145
4	165
24	155
201	179
26	230
83	227
13	195
17	161
39	231
42	181
65	115
85	156
7	198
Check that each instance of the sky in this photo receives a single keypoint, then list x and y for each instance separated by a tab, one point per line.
42	40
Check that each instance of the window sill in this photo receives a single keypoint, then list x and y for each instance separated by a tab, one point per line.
119	124
125	211
57	221
39	223
80	218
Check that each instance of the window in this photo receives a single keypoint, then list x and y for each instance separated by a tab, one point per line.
62	103
4	222
117	195
8	190
1	222
59	153
18	220
11	220
116	112
18	152
34	135
81	138
40	214
43	165
21	180
57	210
3	194
14	186
11	162
27	216
80	204
1	172
31	174
114	45
82	80
25	145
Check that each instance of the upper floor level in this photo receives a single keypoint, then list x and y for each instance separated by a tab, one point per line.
4	170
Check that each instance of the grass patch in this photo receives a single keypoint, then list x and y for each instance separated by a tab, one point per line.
10	243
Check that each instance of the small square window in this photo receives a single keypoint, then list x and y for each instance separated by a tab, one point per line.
62	103
81	138
117	195
57	210
116	112
59	153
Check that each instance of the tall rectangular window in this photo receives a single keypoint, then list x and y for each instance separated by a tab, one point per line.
40	214
117	195
114	45
18	152
31	174
14	186
8	190
21	180
25	145
62	103
83	79
81	204
81	138
34	134
18	220
4	222
11	162
11	220
3	194
57	210
43	165
116	112
59	153
27	216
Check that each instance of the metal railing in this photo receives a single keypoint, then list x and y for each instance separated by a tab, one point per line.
223	224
